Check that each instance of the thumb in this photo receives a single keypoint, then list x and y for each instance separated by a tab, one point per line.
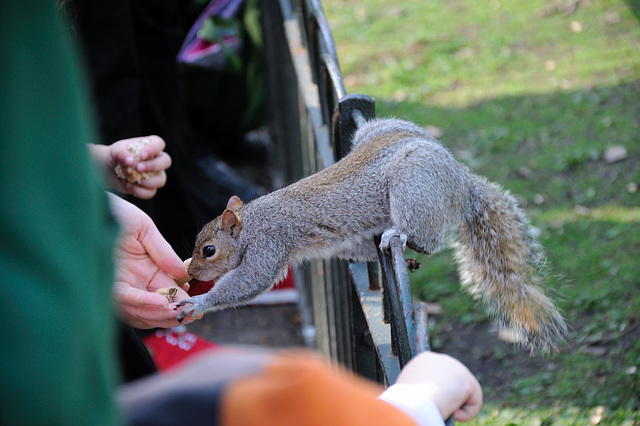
162	253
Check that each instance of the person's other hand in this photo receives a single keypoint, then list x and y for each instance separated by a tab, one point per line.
448	382
153	160
144	263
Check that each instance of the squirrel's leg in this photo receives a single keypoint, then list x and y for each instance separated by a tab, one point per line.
419	223
425	199
257	273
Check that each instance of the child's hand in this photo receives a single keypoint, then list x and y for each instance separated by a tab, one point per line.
449	384
152	163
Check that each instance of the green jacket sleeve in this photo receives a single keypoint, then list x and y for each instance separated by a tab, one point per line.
57	357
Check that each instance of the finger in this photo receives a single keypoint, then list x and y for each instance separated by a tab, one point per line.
148	316
472	405
147	188
128	295
151	317
155	164
154	182
120	149
162	253
120	154
466	413
155	145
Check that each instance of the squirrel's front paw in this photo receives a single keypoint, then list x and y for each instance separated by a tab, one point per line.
385	239
194	310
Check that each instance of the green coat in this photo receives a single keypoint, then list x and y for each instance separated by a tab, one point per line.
57	332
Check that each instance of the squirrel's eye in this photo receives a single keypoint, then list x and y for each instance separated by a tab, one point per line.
208	251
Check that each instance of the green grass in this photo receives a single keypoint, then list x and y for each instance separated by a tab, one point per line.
529	94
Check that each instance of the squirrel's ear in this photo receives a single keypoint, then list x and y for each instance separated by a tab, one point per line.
231	223
234	202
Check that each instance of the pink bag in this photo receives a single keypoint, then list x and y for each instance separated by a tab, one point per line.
215	37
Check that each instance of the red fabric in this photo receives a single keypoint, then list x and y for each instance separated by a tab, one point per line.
170	347
201	287
286	282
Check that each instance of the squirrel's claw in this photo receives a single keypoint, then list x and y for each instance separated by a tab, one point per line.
183	303
186	311
385	239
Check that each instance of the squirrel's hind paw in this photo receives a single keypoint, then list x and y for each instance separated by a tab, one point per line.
385	239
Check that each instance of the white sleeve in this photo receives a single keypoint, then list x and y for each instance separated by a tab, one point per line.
414	403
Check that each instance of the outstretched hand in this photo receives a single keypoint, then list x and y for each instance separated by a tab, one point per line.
144	263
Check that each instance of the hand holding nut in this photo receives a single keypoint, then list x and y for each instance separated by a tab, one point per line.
170	292
130	174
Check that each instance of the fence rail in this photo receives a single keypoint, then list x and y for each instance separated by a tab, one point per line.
359	314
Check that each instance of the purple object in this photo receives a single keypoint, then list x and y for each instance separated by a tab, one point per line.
206	53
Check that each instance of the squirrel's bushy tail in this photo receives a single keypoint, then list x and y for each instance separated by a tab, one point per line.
501	263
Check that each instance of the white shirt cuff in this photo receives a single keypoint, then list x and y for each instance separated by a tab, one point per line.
414	403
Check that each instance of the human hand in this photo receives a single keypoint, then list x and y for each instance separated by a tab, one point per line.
449	384
144	263
153	160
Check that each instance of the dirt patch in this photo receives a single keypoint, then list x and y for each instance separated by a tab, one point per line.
497	364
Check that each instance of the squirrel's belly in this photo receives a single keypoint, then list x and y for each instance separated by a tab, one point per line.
352	247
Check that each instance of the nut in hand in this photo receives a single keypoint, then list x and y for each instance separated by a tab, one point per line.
168	292
130	174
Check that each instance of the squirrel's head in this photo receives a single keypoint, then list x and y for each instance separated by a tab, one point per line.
215	252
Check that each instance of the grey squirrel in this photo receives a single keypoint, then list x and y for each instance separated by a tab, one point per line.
397	180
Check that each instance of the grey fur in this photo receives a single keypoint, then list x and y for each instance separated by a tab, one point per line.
399	178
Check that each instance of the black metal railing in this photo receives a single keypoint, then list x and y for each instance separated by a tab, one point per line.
359	314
